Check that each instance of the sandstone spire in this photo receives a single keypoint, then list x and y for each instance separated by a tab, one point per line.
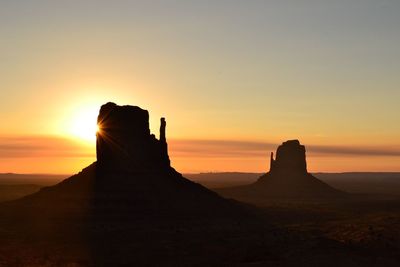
162	130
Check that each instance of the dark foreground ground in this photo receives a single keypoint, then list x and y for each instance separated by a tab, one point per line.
287	233
365	223
363	230
365	233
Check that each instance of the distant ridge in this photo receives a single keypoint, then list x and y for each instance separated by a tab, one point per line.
40	179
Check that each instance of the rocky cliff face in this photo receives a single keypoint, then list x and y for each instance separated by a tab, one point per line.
124	141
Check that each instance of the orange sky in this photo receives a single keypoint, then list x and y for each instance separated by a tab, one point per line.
233	79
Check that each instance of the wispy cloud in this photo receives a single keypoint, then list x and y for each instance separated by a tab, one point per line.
386	151
219	148
52	146
42	146
232	148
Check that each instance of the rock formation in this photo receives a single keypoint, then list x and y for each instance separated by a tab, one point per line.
132	177
124	141
287	178
131	208
290	157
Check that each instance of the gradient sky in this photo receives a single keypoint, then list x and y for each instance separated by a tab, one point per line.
233	78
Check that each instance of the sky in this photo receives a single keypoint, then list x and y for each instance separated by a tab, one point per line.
233	78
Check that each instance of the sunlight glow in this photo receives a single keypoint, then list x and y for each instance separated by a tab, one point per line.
84	124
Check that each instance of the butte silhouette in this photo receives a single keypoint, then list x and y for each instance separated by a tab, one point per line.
287	178
132	177
129	207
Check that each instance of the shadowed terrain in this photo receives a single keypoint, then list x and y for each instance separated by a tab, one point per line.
11	192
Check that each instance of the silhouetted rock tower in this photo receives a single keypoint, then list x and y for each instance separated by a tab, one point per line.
287	178
290	157
163	140
124	141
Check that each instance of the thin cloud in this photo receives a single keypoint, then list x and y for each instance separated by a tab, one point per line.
393	151
232	148
218	148
51	146
42	146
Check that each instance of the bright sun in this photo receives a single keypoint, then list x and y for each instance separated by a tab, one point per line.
84	124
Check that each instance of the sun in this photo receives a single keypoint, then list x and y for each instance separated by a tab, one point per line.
84	124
